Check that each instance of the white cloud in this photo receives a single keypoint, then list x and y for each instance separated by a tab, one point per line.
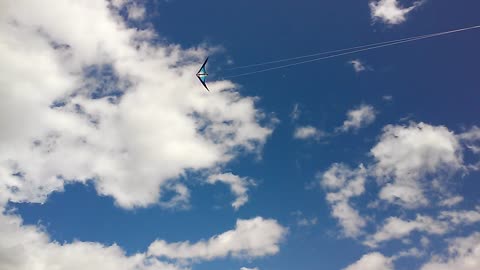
136	12
387	98
357	118
307	132
255	237
472	139
412	252
451	201
238	185
390	11
131	147
180	199
245	268
26	247
372	261
305	222
463	254
461	216
357	65
344	183
60	123
396	228
424	241
406	154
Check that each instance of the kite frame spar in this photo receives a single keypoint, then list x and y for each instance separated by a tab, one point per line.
202	75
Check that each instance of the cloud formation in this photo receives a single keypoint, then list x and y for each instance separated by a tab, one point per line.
463	254
397	228
238	186
390	11
251	238
308	132
358	118
372	261
449	202
343	183
404	155
25	247
86	98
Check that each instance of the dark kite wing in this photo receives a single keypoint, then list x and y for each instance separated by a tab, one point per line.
202	75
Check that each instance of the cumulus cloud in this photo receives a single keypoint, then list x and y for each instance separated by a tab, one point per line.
343	183
372	261
463	254
390	11
251	238
308	132
357	118
133	132
83	97
25	247
245	268
396	228
406	154
238	186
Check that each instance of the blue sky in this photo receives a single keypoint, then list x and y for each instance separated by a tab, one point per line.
114	157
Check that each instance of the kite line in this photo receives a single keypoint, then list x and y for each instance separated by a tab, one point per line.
342	52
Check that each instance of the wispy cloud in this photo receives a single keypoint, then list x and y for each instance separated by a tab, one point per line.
451	201
238	185
387	98
463	254
308	132
358	118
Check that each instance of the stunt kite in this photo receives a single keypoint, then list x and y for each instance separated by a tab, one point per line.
202	75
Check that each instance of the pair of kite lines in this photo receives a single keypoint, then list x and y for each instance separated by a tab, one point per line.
202	74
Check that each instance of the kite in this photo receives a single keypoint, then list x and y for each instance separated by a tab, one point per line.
202	75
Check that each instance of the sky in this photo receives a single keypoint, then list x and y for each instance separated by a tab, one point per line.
113	155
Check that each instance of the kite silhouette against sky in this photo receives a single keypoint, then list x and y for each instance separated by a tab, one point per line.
202	75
